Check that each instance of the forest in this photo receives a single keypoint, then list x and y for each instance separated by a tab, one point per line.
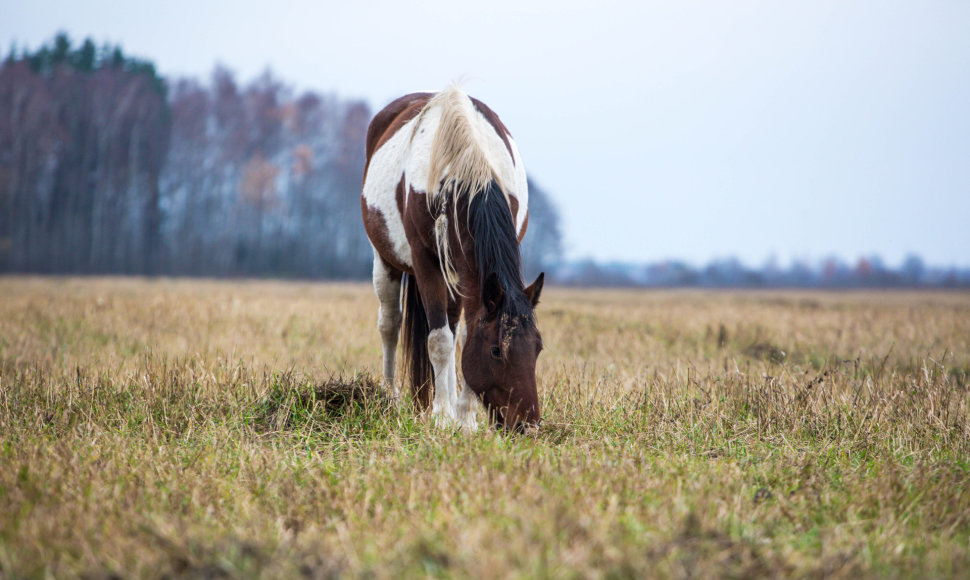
107	167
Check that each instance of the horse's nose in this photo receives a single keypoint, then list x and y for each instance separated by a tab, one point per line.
529	429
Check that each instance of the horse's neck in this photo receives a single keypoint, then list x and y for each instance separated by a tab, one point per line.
470	278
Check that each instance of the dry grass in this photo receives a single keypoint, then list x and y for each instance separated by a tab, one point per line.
235	429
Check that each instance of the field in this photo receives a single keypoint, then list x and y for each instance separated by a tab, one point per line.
195	429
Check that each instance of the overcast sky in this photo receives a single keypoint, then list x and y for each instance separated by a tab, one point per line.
682	129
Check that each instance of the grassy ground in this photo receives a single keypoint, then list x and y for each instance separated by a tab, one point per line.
234	429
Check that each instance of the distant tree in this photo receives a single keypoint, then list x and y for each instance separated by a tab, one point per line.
86	56
912	270
116	58
62	46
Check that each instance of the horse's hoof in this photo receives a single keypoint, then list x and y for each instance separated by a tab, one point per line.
443	420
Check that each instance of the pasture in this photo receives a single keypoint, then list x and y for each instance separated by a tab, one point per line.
175	428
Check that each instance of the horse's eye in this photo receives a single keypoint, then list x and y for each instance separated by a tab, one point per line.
496	352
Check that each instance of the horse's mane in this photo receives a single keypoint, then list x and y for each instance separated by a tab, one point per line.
497	253
456	151
459	168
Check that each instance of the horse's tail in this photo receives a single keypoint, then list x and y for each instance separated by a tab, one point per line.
418	371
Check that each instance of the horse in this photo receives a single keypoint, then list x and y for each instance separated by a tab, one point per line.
445	205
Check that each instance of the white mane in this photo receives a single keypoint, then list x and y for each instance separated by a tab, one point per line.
456	152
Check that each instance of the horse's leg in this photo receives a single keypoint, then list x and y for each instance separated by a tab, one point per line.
441	338
468	401
387	286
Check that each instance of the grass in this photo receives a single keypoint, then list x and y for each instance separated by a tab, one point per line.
236	429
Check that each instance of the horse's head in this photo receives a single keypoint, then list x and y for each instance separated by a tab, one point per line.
500	352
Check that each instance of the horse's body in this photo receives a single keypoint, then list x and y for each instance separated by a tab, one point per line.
445	204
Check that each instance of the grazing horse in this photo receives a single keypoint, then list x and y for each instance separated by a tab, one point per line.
445	205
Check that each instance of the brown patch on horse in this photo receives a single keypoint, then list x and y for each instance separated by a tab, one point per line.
418	221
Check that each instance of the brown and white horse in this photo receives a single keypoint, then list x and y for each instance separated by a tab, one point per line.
445	204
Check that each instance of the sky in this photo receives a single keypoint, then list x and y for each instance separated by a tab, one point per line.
691	130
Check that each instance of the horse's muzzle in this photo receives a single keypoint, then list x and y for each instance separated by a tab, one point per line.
527	429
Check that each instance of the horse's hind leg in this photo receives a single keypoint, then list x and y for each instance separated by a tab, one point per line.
387	286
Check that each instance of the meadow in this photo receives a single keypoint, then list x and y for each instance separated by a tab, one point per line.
235	429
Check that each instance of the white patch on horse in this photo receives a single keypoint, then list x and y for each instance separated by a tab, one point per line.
441	351
380	190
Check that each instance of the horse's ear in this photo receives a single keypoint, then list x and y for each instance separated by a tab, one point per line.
535	289
492	295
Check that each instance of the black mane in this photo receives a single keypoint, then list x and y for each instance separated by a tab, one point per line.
497	250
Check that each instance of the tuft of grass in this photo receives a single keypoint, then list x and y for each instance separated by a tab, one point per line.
291	403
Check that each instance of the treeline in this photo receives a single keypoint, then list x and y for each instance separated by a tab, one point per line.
83	140
105	167
867	272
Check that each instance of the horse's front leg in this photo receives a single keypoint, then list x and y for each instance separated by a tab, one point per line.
441	339
468	401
